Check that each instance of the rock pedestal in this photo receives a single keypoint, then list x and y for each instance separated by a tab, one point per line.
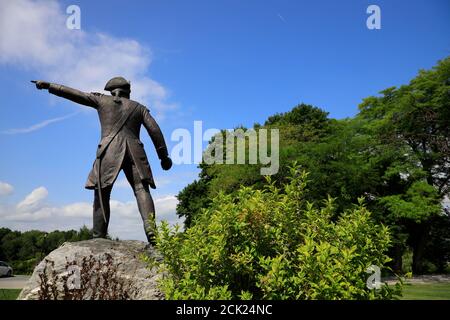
97	269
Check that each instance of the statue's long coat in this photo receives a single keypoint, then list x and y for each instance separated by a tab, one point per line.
110	109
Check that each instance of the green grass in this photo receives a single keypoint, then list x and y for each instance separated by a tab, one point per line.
9	294
432	291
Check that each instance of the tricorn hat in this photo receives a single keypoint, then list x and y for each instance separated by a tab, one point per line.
116	83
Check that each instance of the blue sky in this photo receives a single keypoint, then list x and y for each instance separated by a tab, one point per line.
225	63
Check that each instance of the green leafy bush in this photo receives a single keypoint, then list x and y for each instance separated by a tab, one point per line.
271	244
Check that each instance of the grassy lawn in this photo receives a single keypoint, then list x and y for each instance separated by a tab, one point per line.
9	294
432	291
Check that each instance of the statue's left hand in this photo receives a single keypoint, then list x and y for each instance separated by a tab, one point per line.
166	163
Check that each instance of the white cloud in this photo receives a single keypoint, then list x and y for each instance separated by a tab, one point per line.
34	200
124	209
32	215
78	209
5	188
165	206
33	35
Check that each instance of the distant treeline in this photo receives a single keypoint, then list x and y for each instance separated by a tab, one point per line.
24	250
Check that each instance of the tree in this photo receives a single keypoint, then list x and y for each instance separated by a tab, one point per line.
304	123
414	121
191	200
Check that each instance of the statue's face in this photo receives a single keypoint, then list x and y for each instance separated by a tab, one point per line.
120	93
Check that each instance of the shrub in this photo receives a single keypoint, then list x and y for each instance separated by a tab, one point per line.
271	244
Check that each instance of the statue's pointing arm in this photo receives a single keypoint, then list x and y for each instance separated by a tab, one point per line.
87	99
157	138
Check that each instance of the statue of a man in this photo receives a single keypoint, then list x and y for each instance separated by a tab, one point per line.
119	149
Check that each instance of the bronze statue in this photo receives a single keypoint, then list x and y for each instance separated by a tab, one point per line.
119	149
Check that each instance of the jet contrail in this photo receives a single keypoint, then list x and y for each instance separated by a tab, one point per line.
39	125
